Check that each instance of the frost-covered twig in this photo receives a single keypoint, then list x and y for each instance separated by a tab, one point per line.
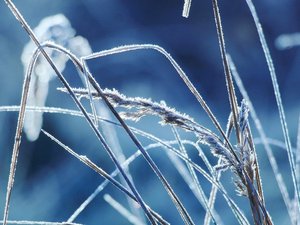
186	8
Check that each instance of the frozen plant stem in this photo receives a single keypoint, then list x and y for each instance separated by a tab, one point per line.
213	192
172	194
278	98
256	201
98	90
186	8
262	133
29	31
194	177
229	83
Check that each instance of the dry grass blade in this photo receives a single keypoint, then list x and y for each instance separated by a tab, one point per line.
229	83
17	142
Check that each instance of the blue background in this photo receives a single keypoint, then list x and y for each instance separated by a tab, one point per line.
50	184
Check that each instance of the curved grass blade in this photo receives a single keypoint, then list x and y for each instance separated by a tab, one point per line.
96	86
180	72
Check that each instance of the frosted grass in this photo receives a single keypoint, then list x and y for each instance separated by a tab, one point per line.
278	98
240	158
263	136
186	8
29	31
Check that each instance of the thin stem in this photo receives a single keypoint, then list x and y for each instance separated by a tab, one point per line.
200	191
186	8
229	83
278	98
18	136
262	134
213	192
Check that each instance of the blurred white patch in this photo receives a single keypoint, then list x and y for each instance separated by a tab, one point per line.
285	41
57	29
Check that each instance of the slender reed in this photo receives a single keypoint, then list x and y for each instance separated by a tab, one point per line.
278	98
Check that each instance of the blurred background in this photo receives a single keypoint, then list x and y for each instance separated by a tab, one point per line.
50	184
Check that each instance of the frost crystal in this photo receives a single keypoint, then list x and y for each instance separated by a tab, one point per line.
58	29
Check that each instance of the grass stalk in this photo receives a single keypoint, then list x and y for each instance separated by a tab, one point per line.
262	134
278	98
